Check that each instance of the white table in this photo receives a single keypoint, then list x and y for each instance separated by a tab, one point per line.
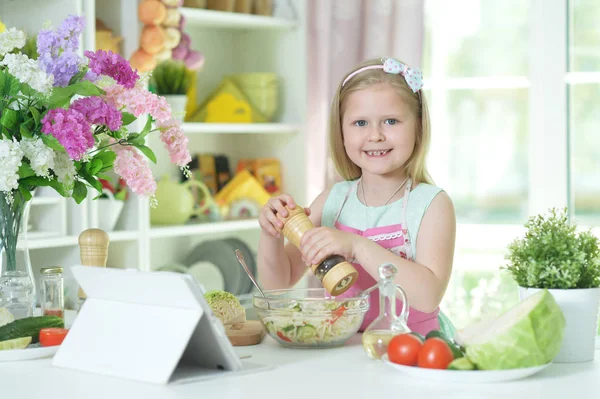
344	372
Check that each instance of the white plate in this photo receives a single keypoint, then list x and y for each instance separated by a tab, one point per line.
207	274
29	353
468	376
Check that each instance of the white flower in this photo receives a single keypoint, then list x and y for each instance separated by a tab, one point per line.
10	159
11	39
41	158
28	71
64	168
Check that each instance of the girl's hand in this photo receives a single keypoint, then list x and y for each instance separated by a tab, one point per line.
268	220
321	242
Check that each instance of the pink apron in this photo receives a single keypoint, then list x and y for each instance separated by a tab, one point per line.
394	237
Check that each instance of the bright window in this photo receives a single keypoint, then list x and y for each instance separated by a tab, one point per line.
513	88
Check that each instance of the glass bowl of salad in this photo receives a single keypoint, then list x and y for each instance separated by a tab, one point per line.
310	317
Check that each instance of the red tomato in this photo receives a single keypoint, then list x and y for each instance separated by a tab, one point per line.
404	349
435	354
283	337
52	336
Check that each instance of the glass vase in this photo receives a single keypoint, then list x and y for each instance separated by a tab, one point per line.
17	283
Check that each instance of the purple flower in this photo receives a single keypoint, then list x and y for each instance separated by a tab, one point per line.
71	129
57	50
63	67
98	112
113	65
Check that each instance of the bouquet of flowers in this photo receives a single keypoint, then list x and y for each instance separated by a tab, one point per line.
65	120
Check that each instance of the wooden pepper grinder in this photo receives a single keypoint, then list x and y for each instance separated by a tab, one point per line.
335	273
93	251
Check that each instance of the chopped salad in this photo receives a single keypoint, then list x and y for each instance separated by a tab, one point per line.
313	323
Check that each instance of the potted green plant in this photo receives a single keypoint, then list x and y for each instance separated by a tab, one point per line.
171	79
554	255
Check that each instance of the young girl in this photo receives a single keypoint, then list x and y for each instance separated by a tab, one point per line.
386	210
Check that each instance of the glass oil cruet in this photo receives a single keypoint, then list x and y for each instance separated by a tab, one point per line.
379	333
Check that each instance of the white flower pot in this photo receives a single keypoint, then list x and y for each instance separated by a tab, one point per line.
178	103
109	210
580	308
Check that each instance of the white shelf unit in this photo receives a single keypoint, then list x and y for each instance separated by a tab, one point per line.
193	128
235	21
231	43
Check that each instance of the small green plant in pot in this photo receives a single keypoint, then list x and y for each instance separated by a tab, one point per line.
553	255
172	79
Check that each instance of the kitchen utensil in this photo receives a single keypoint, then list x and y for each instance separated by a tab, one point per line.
250	260
310	317
335	273
208	275
379	333
176	203
221	253
250	333
240	259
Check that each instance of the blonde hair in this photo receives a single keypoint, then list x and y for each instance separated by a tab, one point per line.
416	168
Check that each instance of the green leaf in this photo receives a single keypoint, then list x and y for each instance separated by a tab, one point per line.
36	115
146	129
9	118
25	170
14	87
37	181
128	118
147	152
108	158
3	79
60	97
52	142
25	193
96	166
79	191
78	76
86	88
93	182
135	138
24	131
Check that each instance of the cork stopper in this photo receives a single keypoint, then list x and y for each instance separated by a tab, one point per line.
93	250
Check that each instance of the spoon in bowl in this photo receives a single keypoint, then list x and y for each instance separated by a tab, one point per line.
242	261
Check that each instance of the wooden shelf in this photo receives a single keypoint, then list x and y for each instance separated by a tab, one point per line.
195	17
239	128
204	228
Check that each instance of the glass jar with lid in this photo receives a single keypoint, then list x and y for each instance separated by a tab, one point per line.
52	297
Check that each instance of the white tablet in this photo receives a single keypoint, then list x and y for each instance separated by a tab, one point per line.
144	326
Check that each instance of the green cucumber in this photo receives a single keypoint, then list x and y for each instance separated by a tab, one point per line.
306	331
29	327
419	336
461	364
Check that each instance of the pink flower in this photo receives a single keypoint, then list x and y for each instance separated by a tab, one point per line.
98	112
138	101
113	65
134	169
176	142
72	130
